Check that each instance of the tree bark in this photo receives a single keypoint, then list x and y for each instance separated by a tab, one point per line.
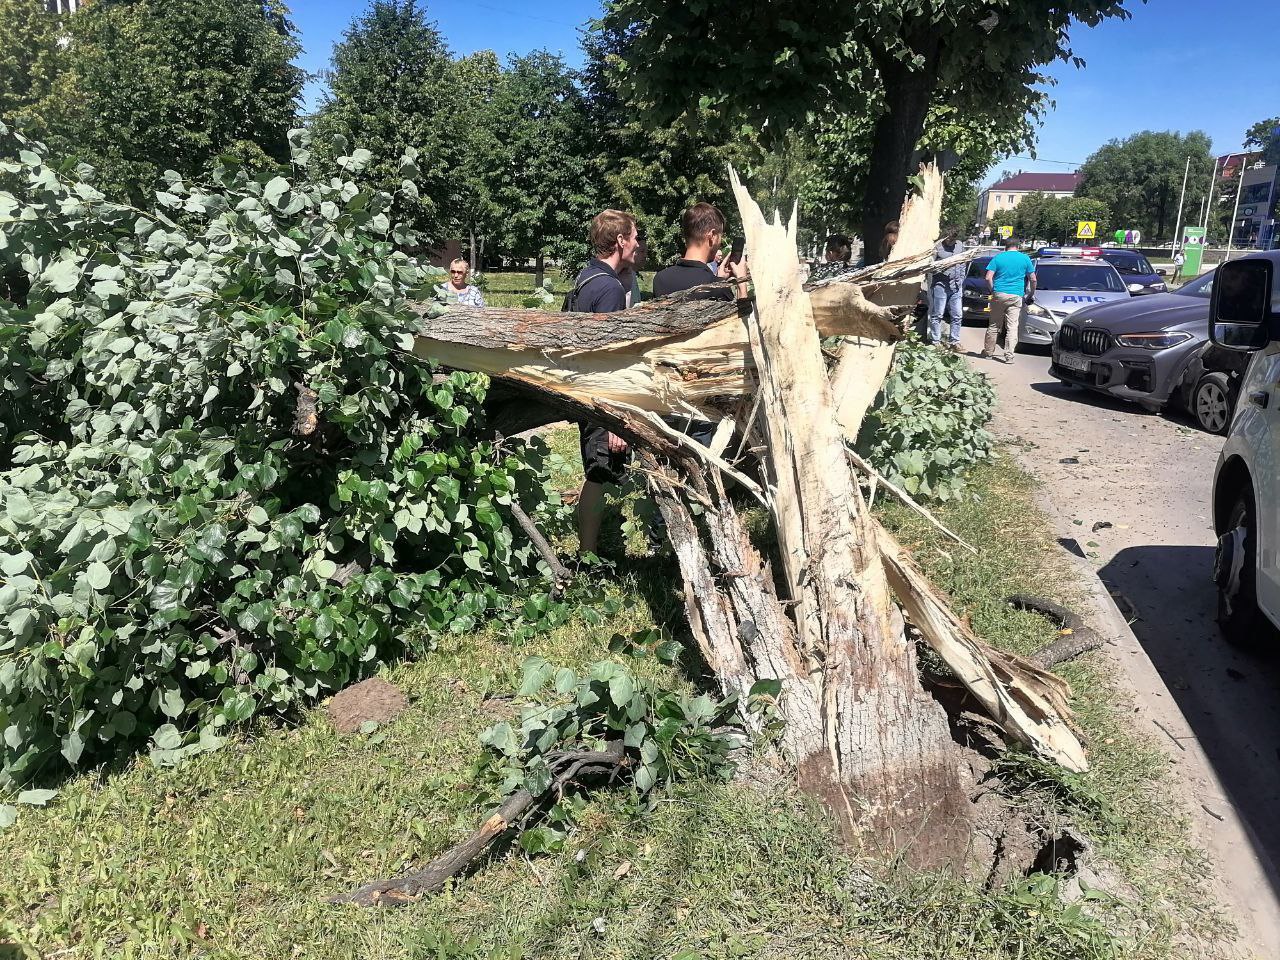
897	131
540	270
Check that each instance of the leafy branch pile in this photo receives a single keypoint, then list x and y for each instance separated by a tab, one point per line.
928	427
225	486
666	736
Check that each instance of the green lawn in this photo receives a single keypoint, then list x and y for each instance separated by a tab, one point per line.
234	854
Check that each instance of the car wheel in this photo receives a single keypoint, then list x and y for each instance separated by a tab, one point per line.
1235	572
1211	403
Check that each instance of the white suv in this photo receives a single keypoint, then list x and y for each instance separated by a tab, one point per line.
1244	315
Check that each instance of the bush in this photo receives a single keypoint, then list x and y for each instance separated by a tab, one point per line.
928	426
227	487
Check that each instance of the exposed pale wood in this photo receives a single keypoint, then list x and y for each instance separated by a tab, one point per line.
904	497
1029	703
622	357
878	749
865	361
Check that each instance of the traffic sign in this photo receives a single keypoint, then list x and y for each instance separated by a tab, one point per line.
1086	229
1006	231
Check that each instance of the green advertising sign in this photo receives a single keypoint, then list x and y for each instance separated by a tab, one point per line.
1193	250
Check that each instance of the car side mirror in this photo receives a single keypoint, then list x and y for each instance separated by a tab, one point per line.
1240	315
1162	271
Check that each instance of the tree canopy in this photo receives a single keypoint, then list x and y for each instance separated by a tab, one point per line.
1265	136
153	86
893	60
31	58
1139	178
391	88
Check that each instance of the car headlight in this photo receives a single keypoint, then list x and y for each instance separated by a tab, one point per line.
1159	287
1036	310
1152	341
1136	288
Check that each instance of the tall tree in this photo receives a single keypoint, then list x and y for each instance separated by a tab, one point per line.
1265	136
1140	179
31	58
655	171
391	88
893	59
156	86
539	164
478	78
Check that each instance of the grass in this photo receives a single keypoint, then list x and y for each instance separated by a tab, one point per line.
233	855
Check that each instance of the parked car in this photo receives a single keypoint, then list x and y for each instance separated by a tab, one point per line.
1136	271
1153	350
1244	316
975	296
1063	286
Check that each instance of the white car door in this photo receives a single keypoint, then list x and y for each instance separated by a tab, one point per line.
1258	425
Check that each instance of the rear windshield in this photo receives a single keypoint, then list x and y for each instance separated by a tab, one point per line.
1081	277
979	266
1128	261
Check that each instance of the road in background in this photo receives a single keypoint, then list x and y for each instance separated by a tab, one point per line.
1145	481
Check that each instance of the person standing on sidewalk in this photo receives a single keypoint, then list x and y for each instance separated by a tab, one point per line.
945	287
1179	259
1012	278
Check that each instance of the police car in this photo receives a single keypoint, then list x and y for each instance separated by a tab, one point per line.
1065	284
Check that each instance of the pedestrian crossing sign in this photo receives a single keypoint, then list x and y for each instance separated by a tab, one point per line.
1086	229
1006	231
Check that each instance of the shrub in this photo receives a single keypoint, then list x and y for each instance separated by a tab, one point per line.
227	487
928	426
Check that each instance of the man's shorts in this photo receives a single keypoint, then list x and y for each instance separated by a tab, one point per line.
599	465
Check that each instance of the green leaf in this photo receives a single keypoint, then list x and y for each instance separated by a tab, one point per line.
274	190
98	576
8	815
36	798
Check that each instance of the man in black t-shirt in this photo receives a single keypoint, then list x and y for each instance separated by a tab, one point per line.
615	244
702	228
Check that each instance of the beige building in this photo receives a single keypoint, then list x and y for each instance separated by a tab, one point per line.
1008	193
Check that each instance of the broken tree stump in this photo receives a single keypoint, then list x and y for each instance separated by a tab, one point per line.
864	735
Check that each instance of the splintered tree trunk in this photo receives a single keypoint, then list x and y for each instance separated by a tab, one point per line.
866	737
861	731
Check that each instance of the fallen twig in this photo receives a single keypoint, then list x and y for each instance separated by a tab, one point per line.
562	574
904	497
1077	637
568	767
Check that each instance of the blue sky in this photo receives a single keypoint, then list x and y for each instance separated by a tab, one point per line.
1176	65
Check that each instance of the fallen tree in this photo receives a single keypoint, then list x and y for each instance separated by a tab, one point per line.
863	734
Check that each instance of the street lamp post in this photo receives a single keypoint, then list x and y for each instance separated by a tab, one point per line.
1177	225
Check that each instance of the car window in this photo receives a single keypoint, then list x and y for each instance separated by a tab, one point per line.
1128	261
979	266
1199	287
1078	277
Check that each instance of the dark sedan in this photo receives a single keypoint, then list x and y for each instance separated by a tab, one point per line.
1135	270
1153	350
975	298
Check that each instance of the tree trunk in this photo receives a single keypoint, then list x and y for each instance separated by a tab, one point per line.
540	270
897	131
471	250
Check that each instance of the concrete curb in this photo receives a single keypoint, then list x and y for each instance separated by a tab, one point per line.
1244	879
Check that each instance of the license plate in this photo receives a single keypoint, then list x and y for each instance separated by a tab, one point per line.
1073	361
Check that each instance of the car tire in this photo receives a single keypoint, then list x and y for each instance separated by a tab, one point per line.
1239	617
1211	403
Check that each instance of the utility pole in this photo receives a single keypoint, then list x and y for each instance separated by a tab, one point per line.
1177	225
1231	229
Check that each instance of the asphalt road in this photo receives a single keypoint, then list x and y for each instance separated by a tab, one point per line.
1149	476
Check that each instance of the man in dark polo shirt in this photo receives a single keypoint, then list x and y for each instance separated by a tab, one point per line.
597	289
702	228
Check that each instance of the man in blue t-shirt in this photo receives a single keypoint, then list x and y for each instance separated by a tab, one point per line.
1012	278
